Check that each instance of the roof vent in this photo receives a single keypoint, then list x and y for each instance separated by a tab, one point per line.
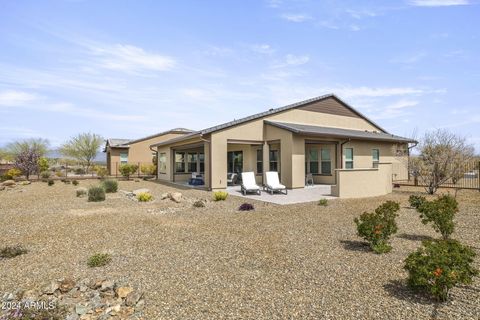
271	109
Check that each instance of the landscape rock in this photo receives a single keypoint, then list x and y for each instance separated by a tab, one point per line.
133	298
164	196
25	183
66	285
2	188
123	292
8	183
107	285
51	288
138	191
176	197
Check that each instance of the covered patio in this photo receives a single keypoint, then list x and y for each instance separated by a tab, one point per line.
300	195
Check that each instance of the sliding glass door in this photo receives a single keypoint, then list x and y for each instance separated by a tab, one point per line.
235	162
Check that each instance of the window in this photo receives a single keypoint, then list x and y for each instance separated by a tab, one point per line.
201	157
375	157
259	161
162	162
179	162
123	157
273	156
192	162
235	162
348	158
326	161
313	159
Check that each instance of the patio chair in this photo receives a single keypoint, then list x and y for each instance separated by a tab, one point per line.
249	184
272	182
231	179
309	180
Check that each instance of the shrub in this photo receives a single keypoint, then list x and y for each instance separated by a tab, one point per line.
12	251
51	182
441	213
110	185
220	195
26	313
100	171
13	173
377	227
75	182
59	174
416	201
144	197
45	174
246	207
99	260
42	164
148	169
199	204
96	194
128	169
440	265
323	202
66	181
81	192
79	171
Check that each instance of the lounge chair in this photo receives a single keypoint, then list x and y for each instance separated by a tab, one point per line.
272	183
231	179
249	184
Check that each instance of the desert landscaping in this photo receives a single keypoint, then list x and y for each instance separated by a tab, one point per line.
214	261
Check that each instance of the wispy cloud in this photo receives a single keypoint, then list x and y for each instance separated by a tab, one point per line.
130	58
361	13
263	48
410	59
374	91
296	17
438	3
292	60
394	110
11	98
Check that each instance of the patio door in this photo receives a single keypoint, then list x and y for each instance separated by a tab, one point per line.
235	162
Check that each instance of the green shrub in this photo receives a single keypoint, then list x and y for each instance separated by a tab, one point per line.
100	171
144	197
377	227
96	194
323	202
441	213
12	251
13	173
110	185
79	171
42	164
45	174
59	174
127	169
75	182
99	260
440	265
81	192
220	195
416	201
51	182
148	169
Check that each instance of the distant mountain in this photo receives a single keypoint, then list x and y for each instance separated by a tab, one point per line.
55	154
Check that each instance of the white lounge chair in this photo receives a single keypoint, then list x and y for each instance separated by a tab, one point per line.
272	182
231	179
249	184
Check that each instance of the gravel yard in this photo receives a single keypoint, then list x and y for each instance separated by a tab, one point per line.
277	262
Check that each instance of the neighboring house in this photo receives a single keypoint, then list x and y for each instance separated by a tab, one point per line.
324	138
120	151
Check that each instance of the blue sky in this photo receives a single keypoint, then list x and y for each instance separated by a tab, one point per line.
126	69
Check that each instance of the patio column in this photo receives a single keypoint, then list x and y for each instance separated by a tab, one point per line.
265	159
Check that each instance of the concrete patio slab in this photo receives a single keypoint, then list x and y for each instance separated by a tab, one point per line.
307	194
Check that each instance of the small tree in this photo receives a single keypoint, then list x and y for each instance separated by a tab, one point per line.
441	213
443	157
26	154
127	169
43	164
27	162
83	147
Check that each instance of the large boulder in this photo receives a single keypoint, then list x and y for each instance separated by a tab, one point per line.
176	196
8	183
138	191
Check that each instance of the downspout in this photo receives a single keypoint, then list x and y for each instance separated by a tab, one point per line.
408	155
156	157
209	159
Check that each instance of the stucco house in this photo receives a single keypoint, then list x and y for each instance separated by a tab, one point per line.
136	151
322	138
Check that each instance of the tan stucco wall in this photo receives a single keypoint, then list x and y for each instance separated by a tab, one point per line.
361	183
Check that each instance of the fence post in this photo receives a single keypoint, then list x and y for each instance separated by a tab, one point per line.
66	169
138	170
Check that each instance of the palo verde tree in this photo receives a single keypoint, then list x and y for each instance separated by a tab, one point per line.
82	147
442	158
26	154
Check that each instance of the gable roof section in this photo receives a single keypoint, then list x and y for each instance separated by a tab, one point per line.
338	132
175	130
268	113
118	143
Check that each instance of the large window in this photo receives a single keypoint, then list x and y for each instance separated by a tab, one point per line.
180	162
201	157
348	158
313	160
259	161
123	157
162	162
326	161
273	156
235	162
192	162
375	157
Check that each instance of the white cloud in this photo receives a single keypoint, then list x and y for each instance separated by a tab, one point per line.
410	59
374	92
363	13
263	48
12	98
402	104
293	60
438	3
130	58
298	17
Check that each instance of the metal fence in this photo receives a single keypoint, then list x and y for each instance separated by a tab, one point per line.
464	177
144	169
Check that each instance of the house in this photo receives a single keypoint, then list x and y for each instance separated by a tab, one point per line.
324	138
120	151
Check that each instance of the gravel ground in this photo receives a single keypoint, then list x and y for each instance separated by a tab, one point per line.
277	262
